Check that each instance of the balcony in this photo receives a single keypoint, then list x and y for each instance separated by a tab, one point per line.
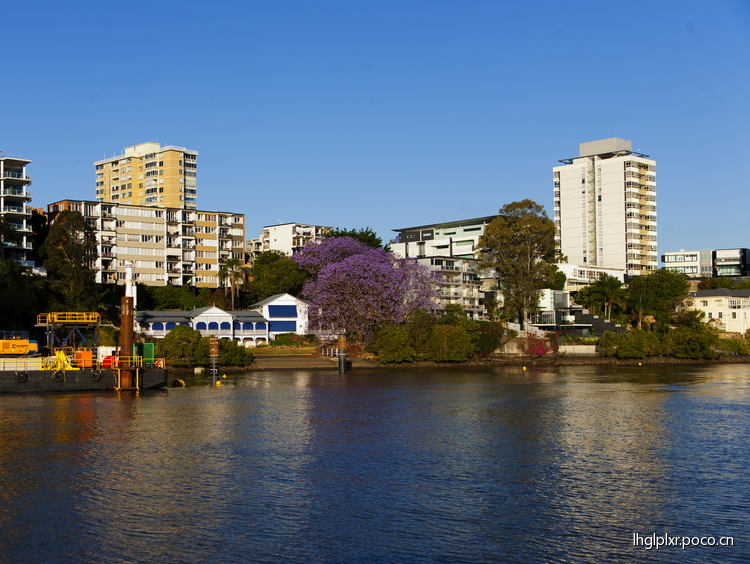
14	175
16	210
18	245
21	193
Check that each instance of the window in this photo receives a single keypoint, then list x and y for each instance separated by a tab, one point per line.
213	325
157	326
282	311
283	326
200	326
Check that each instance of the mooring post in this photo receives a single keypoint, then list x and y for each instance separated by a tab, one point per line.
342	355
125	358
213	347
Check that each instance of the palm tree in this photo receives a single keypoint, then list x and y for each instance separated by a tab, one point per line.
607	291
231	276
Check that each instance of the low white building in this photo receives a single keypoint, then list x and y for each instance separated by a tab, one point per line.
725	309
286	237
694	264
579	276
450	239
261	323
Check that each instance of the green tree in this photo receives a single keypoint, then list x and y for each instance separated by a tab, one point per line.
519	245
40	231
366	236
635	344
70	251
162	298
392	344
21	295
448	343
692	342
556	278
660	294
231	276
586	298
489	336
418	325
179	345
274	273
608	292
232	353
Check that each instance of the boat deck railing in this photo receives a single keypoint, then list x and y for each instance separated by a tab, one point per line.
54	363
68	317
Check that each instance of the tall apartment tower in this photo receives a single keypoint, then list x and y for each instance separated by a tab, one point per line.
14	209
149	174
605	207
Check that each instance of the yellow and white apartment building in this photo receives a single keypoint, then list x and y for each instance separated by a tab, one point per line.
149	174
166	246
605	207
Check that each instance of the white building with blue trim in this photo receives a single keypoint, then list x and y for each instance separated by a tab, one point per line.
261	323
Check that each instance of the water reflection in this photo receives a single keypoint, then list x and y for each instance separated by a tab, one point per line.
554	465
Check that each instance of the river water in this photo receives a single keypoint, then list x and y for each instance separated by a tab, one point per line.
569	464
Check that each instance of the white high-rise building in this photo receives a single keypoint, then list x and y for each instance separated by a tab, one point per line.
605	207
14	207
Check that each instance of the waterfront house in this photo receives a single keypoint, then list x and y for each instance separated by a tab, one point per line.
261	323
725	309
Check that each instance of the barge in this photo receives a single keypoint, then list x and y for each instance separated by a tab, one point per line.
80	369
61	373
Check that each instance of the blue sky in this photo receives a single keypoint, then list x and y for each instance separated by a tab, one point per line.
388	114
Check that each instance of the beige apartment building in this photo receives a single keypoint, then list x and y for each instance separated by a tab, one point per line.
165	246
149	174
605	207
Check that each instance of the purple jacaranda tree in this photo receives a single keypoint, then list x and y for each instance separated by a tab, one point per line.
360	293
319	253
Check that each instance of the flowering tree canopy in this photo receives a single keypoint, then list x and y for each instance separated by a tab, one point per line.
318	254
359	293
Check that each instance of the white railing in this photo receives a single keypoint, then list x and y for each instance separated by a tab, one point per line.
22	364
9	174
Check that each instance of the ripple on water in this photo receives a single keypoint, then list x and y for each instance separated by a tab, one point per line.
560	465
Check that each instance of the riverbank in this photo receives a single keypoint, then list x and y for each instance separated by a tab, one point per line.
314	362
